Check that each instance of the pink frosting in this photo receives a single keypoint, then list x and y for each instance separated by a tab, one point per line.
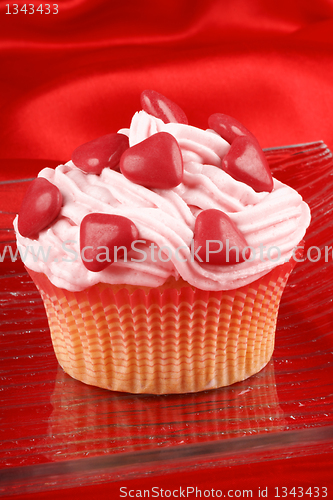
273	223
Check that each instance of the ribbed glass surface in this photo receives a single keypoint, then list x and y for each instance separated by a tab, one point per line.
57	432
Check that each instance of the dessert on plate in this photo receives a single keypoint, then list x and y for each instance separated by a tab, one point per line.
161	252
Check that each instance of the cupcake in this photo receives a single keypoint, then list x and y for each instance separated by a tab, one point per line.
161	253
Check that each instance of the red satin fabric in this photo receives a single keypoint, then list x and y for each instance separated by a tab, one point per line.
67	78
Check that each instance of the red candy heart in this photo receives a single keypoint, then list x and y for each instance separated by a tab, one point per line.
40	206
155	162
100	234
100	153
228	127
218	235
246	162
161	107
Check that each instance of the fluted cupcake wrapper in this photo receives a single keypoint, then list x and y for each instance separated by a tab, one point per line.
174	339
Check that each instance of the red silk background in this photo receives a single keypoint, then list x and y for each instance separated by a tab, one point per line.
67	78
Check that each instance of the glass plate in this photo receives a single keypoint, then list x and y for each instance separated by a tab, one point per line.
57	432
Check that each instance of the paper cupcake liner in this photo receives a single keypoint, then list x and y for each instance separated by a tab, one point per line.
173	339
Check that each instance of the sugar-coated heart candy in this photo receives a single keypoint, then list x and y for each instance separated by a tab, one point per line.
156	162
228	127
103	238
40	206
100	153
220	240
246	162
161	107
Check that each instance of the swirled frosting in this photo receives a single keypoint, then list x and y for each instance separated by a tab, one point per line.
273	223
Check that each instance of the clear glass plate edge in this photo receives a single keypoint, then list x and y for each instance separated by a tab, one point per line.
110	468
290	146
